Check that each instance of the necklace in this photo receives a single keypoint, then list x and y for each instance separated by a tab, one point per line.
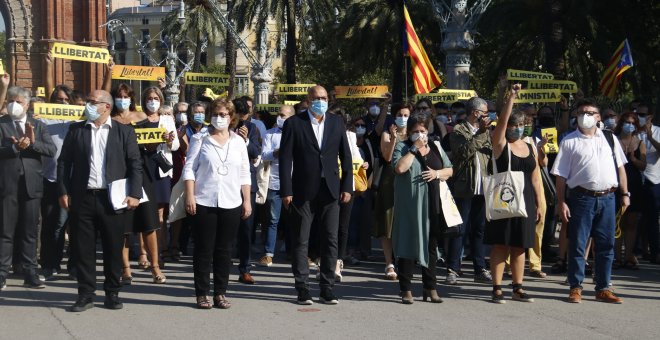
223	170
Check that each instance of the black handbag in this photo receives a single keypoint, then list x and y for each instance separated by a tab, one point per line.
162	162
548	187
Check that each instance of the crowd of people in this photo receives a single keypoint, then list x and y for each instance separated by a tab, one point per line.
324	182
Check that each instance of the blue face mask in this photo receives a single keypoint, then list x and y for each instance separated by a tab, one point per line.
319	107
199	118
92	112
492	115
123	103
401	121
642	120
609	123
515	133
442	119
628	128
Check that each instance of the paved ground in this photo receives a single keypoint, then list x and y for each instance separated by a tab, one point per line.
368	309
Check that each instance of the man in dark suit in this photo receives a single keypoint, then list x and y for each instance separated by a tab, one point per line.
23	140
252	137
95	153
311	144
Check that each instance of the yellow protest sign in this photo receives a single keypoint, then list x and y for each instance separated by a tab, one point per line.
460	94
291	102
438	97
138	108
208	93
348	92
552	146
512	74
150	135
82	53
208	79
59	111
272	109
41	92
293	89
2	67
564	86
538	96
129	72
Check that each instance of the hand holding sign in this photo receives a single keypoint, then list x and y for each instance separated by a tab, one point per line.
5	80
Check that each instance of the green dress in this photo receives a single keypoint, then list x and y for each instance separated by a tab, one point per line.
384	206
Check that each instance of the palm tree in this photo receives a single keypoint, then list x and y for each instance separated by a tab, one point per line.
297	16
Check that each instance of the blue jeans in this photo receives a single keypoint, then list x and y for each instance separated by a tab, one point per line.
275	203
590	217
473	213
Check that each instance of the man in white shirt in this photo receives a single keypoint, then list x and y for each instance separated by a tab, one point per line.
588	165
271	150
651	137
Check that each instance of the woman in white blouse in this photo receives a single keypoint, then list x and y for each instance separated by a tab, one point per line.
217	179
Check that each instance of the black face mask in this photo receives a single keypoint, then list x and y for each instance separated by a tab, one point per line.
547	121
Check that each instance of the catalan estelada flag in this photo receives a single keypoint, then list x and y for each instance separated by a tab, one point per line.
620	62
424	76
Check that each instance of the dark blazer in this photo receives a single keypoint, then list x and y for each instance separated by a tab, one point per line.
299	151
28	161
254	150
122	160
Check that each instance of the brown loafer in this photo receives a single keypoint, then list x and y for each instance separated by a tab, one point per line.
575	295
608	296
245	278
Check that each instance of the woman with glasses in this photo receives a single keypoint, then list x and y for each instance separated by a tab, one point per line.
217	180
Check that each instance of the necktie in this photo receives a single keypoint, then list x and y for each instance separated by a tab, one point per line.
19	129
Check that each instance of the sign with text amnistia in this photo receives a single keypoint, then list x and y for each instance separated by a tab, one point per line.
564	86
347	92
293	89
150	135
438	97
272	109
512	74
538	96
82	53
208	79
59	111
129	72
460	94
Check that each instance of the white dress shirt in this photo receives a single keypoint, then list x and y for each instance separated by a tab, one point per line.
652	171
586	161
204	161
317	127
97	178
272	143
478	185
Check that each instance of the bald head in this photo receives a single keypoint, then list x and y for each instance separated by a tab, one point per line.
286	111
102	100
317	92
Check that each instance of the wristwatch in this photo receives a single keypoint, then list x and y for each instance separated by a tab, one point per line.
413	149
626	194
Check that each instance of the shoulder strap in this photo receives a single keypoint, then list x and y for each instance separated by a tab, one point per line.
610	140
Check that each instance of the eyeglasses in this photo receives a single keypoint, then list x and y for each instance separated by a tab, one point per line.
220	114
588	113
360	125
94	102
480	111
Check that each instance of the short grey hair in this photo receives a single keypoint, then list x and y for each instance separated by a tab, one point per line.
178	105
517	117
474	103
17	91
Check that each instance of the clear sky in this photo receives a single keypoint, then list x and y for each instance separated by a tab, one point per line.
2	24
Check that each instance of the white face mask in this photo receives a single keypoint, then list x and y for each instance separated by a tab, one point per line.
417	136
280	122
220	123
586	121
182	117
15	111
153	105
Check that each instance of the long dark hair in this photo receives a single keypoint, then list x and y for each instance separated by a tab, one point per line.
622	120
115	94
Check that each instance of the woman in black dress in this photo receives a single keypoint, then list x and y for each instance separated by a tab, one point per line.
513	235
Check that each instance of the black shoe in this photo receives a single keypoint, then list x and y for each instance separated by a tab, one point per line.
32	281
49	274
304	298
3	283
112	301
82	304
328	298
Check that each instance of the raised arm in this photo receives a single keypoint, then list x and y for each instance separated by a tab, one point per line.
107	80
499	135
387	143
4	85
48	75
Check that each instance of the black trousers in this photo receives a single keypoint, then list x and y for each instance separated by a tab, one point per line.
326	209
96	215
214	230
407	266
53	227
344	222
245	233
19	215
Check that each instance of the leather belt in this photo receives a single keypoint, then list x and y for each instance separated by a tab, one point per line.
595	193
97	191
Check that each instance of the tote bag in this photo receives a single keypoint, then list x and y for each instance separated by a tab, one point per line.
449	208
503	193
177	202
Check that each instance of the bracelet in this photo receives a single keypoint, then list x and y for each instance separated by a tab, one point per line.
413	149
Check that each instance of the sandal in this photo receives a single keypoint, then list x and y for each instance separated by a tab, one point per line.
633	265
538	274
390	274
158	278
143	262
126	280
520	295
203	302
221	302
498	295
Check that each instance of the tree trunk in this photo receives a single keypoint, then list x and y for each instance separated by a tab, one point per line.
553	38
291	47
398	58
196	66
230	52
